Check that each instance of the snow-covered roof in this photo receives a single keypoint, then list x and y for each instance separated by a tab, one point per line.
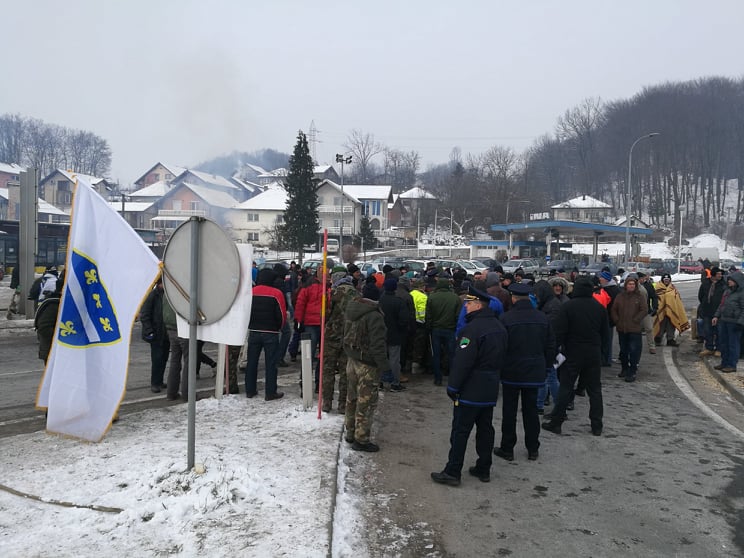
417	194
337	187
367	192
44	206
174	169
11	168
71	175
276	172
634	220
582	202
134	207
274	198
48	208
320	169
255	168
154	190
214	179
246	184
215	198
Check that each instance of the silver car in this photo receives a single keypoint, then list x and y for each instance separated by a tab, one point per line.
527	264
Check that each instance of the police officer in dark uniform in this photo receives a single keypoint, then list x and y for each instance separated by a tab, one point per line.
531	349
473	386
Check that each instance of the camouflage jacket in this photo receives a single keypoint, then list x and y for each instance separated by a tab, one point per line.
334	327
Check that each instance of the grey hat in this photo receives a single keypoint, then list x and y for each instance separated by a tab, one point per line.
492	279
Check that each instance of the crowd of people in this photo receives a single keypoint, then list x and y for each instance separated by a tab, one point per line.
539	342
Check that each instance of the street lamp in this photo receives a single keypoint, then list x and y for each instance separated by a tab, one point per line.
627	193
343	159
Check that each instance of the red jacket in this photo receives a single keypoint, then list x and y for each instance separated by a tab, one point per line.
309	303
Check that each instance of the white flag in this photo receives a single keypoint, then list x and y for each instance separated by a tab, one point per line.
109	270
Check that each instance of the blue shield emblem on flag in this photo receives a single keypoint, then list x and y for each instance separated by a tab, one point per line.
88	317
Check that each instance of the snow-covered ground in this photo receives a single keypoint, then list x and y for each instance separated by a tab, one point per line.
270	486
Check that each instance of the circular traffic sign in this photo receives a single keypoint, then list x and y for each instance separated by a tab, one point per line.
218	277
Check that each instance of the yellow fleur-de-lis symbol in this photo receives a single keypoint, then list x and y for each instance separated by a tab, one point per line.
91	277
97	298
66	329
106	323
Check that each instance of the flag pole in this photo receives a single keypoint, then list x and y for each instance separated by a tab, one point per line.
322	319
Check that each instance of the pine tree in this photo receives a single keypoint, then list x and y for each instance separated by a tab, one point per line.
301	215
366	236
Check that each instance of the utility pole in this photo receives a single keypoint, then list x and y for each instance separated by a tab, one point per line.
27	235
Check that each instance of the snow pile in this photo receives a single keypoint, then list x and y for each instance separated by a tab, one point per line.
268	489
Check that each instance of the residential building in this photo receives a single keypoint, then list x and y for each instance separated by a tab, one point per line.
185	200
583	208
9	173
159	171
56	189
255	220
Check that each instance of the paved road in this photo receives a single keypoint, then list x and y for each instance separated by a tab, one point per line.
665	479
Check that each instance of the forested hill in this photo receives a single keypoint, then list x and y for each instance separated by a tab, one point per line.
226	165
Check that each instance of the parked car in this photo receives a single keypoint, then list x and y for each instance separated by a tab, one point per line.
447	264
417	266
635	267
690	267
566	265
479	266
661	267
488	262
368	268
316	264
595	267
528	265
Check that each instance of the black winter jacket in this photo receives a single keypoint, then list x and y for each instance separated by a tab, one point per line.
396	317
531	347
151	316
479	359
582	322
708	306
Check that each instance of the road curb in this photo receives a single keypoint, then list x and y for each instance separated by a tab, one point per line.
11	328
723	379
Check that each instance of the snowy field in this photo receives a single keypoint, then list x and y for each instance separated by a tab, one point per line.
270	486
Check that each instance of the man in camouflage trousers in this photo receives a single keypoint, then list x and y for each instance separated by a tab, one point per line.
334	357
365	347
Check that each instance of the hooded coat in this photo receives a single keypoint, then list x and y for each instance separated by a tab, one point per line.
372	348
582	322
628	310
732	304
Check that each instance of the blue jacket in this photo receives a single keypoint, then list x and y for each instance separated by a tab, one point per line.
474	377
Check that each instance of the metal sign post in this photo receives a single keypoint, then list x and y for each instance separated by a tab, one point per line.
201	276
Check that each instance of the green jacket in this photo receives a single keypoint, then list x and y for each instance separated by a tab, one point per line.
169	315
364	333
442	309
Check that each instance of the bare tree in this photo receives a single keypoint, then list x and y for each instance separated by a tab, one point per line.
12	131
362	147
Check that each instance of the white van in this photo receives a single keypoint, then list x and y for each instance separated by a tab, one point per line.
333	246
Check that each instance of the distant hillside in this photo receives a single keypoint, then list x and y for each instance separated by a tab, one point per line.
226	165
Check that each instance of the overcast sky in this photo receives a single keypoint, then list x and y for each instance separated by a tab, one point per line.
183	81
